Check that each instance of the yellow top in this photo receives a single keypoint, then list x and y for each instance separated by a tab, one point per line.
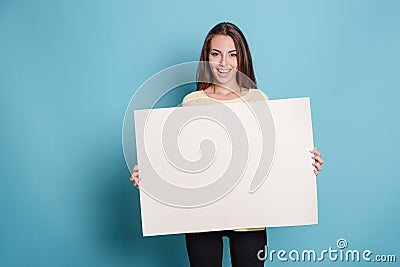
197	98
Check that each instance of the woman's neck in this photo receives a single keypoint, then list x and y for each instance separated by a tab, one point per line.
227	89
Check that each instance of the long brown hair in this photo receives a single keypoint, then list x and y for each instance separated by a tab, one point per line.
245	77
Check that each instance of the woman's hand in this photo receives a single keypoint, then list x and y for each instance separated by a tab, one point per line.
318	161
135	176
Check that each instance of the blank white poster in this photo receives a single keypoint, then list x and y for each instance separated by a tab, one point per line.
226	166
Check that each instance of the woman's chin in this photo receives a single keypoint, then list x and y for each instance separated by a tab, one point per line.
223	80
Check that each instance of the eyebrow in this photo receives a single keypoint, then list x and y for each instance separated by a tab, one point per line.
221	52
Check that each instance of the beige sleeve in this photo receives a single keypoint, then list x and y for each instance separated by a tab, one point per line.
264	95
188	100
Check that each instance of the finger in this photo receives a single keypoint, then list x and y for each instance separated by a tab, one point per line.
135	168
136	181
133	176
318	159
315	172
317	166
316	152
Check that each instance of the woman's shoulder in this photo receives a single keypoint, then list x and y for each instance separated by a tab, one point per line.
191	97
257	94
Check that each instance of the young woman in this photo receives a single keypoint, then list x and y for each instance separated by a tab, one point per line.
227	77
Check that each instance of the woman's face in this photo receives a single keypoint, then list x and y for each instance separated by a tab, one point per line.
223	60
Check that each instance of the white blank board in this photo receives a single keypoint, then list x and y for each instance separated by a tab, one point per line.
287	197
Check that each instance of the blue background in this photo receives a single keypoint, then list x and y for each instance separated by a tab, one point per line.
69	68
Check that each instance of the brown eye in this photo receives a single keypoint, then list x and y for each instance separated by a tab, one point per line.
214	54
233	55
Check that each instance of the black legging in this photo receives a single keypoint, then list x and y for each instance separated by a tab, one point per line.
205	249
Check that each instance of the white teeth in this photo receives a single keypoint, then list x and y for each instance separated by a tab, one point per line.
224	71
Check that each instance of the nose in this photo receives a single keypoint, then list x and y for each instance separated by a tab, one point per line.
223	60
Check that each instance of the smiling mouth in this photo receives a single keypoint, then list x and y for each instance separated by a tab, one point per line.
224	70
